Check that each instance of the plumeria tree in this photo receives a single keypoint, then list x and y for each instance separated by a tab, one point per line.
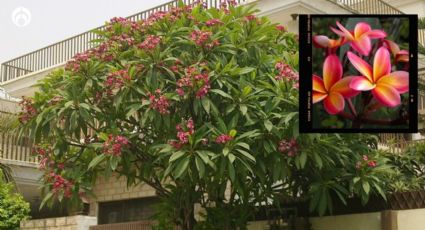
200	104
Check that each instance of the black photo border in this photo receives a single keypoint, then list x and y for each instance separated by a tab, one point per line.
305	73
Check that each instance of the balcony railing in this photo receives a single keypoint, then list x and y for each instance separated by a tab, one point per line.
64	50
13	148
396	143
421	37
369	6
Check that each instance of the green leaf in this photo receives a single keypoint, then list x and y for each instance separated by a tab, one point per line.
181	167
243	144
246	90
340	196
95	145
295	130
113	162
96	160
231	171
380	191
231	158
323	201
103	136
226	151
206	103
247	155
46	199
176	156
203	154
221	125
243	109
245	70
303	159
269	125
366	187
289	116
318	160
250	134
222	93
85	106
200	166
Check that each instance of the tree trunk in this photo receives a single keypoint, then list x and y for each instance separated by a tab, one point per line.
188	218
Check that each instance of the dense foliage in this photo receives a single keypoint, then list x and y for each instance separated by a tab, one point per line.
13	207
409	169
202	105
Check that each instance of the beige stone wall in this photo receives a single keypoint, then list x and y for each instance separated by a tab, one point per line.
61	223
412	219
114	188
369	221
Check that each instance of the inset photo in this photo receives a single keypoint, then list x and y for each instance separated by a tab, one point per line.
358	73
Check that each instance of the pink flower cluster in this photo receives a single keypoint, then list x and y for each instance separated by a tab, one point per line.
176	67
114	145
224	5
366	161
156	17
74	63
289	147
194	80
44	157
123	39
60	184
123	22
223	139
250	17
183	133
281	28
150	43
28	110
100	52
200	37
159	102
39	150
213	22
286	72
118	20
55	100
115	80
45	162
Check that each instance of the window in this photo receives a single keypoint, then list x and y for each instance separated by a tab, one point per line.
126	210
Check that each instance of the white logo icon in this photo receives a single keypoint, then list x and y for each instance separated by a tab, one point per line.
21	16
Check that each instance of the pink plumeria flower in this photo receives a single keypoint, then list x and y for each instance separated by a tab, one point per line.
322	41
386	86
332	89
360	38
399	55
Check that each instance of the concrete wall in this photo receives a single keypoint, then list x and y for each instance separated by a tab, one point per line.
116	189
9	106
61	223
369	221
23	86
280	11
409	6
413	219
